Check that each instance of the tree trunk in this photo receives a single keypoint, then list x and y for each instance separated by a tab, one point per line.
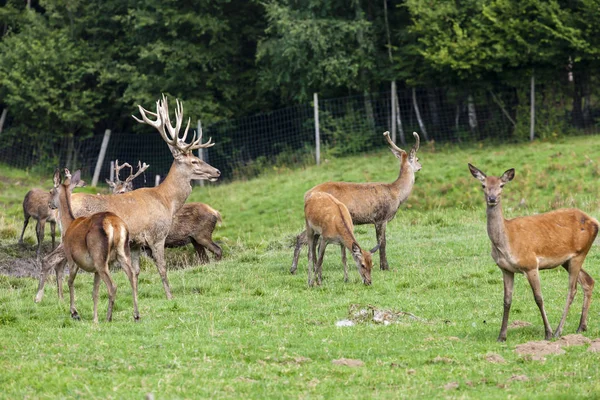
532	101
472	113
456	122
3	119
70	149
369	111
433	108
399	121
418	113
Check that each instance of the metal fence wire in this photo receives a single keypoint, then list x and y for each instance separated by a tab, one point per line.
349	125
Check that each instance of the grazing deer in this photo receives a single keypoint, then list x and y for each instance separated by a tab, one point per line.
372	203
328	220
35	205
118	186
193	223
148	212
544	241
91	243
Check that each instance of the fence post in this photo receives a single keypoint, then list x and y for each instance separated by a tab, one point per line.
112	171
156	180
101	157
532	122
317	134
200	151
393	111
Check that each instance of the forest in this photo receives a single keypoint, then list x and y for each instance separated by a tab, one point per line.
69	69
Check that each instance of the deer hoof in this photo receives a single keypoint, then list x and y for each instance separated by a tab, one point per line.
75	316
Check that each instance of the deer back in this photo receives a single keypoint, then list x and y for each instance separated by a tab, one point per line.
193	220
35	204
329	217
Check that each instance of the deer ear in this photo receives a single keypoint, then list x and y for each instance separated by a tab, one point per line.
75	179
111	184
477	173
56	177
508	175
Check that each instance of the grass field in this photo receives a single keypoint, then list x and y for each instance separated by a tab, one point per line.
245	327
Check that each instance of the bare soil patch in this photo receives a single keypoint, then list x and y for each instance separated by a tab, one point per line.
519	324
494	358
349	362
573	340
358	313
594	346
537	350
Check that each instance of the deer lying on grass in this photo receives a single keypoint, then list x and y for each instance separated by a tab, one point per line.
544	241
193	223
118	186
328	220
148	212
91	243
35	204
372	203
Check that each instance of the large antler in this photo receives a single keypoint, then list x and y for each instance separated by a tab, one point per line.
172	137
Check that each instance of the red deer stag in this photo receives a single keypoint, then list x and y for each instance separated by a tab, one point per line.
372	203
531	243
193	223
328	220
118	186
91	243
148	212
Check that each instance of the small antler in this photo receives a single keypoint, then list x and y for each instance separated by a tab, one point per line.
387	137
163	121
132	176
416	145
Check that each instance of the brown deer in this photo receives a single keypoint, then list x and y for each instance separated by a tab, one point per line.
372	203
531	243
193	223
118	186
148	212
91	243
328	220
35	204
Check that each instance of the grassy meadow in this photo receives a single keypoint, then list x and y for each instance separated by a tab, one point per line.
245	327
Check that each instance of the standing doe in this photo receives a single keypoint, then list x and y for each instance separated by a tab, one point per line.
544	241
35	204
372	203
328	220
92	243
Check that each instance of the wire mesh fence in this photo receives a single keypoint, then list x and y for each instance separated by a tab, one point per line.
350	125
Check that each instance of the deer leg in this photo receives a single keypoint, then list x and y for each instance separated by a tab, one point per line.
301	240
312	258
59	269
52	260
53	233
95	295
112	291
201	252
127	267
509	280
574	267
210	246
319	269
158	254
587	284
25	223
344	262
39	230
534	280
380	233
72	274
135	260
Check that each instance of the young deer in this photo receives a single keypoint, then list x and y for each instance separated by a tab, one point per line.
328	220
35	205
372	203
91	243
148	212
193	223
544	241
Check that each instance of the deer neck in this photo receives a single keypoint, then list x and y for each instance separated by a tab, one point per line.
403	185
496	227
176	187
65	212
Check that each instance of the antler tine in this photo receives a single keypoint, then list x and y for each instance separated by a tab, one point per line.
119	168
141	168
387	137
197	144
418	141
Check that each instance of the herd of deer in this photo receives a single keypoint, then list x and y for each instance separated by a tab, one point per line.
100	229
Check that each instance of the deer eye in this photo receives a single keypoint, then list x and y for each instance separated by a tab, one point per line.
483	186
502	185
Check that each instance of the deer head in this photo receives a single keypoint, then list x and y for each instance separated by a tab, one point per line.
118	186
413	160
364	261
182	151
491	185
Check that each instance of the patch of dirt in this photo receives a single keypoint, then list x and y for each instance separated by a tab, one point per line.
537	350
444	360
495	358
21	267
451	386
519	324
349	362
573	340
594	346
518	378
358	313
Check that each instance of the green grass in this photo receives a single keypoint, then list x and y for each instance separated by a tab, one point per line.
245	327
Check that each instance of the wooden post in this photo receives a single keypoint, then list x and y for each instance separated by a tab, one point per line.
3	118
157	180
112	171
532	122
317	134
101	157
200	151
393	111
